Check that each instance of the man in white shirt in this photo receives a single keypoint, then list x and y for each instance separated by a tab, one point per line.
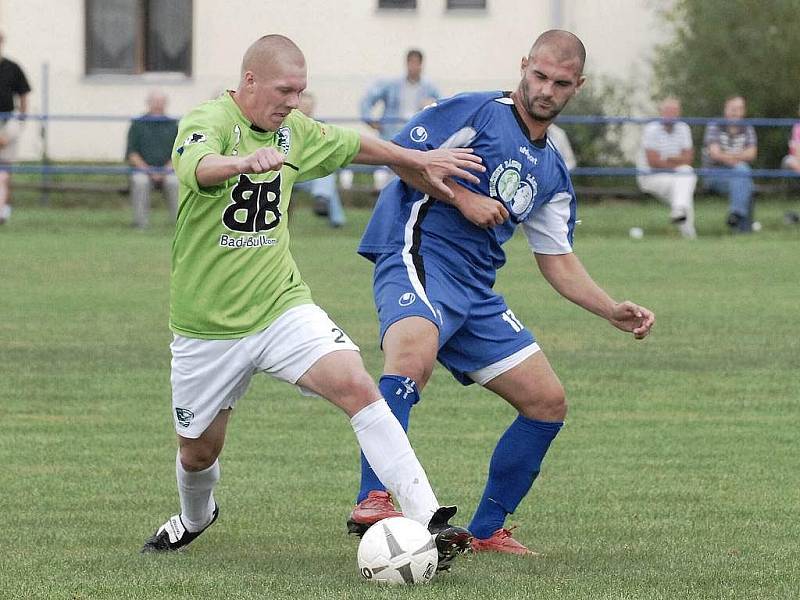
667	144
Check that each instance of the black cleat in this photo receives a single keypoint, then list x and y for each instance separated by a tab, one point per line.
172	535
450	539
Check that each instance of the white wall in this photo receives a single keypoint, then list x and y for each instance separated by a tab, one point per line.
347	45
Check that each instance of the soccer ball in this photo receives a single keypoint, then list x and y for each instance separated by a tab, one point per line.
397	550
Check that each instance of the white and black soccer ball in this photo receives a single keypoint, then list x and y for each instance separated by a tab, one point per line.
397	550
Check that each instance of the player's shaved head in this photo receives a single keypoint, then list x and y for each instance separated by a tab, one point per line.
269	50
564	45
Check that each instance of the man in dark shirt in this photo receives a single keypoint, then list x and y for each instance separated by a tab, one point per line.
12	84
150	140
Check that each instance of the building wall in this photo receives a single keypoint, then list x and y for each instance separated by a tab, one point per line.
347	46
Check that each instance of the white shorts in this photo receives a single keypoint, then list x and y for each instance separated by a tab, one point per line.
10	130
211	375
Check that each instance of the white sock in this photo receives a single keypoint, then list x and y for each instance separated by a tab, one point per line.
389	452
196	489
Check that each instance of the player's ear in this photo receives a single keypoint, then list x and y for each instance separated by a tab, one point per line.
579	85
523	65
249	78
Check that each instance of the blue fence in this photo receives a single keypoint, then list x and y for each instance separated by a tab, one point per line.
45	168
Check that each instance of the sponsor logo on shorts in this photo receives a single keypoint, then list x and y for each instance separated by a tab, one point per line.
407	299
419	134
184	416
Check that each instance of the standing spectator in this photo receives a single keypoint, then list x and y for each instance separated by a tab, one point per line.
560	140
732	146
13	84
323	190
150	141
400	99
667	144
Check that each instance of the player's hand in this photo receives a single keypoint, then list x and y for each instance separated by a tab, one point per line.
633	318
482	211
261	161
438	164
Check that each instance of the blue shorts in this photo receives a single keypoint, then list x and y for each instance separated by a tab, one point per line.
476	327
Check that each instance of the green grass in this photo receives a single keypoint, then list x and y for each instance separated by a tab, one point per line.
675	477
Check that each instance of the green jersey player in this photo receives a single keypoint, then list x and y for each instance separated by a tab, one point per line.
238	302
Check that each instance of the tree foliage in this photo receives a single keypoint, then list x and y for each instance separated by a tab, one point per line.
734	47
599	144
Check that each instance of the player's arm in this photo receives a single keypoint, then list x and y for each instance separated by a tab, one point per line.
433	166
215	168
569	278
479	210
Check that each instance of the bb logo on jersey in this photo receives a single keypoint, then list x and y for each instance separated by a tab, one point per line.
419	134
517	193
255	205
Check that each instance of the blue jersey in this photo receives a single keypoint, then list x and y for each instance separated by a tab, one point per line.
528	177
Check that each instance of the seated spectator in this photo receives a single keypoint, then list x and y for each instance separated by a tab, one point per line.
792	160
560	140
327	202
732	146
667	144
150	141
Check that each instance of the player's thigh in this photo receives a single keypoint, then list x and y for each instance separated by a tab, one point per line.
532	387
492	339
207	376
306	348
420	306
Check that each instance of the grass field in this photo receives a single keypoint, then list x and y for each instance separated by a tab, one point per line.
677	475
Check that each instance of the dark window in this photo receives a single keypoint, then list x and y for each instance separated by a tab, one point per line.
138	36
397	3
452	4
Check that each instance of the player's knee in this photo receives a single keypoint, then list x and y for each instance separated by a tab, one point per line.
354	390
199	456
554	404
546	405
5	177
410	364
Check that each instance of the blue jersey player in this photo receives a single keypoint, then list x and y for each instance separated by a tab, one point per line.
436	260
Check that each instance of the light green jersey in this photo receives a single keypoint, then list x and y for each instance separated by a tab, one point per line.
232	272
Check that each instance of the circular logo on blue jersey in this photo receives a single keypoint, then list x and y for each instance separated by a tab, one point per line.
419	134
407	298
523	197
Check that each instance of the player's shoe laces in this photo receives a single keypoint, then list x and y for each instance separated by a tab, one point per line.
450	539
375	507
501	541
173	535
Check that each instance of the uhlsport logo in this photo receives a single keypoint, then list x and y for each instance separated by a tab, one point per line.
184	416
407	299
419	134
